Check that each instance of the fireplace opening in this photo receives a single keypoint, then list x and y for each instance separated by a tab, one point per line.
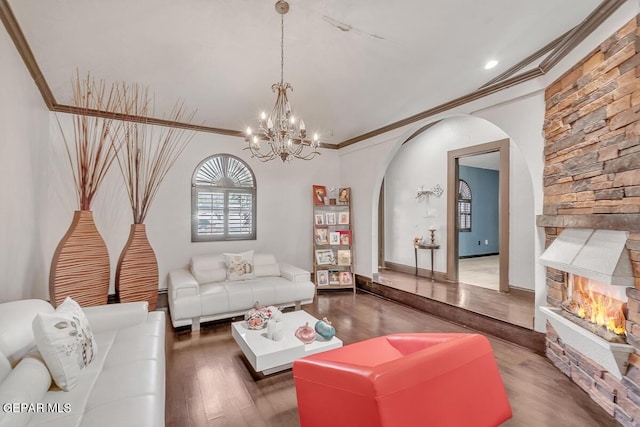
597	307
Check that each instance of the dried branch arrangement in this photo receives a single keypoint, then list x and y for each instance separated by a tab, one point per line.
95	144
147	152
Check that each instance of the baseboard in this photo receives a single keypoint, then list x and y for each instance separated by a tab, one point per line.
479	255
163	301
411	269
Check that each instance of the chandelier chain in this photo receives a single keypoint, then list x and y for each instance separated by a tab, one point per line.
281	49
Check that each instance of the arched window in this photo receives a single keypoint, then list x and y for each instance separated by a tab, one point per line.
223	200
464	206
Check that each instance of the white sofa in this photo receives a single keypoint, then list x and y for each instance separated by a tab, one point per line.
202	292
124	385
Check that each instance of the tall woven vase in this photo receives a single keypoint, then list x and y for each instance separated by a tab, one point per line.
137	272
80	267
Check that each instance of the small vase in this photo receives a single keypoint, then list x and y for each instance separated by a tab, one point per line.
137	271
274	330
80	266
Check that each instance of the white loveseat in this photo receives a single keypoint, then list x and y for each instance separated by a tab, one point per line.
124	385
203	292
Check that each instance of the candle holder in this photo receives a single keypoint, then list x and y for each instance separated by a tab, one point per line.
433	236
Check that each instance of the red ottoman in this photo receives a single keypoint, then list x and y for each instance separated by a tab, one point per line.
403	380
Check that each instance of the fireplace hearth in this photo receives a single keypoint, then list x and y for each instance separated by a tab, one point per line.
613	357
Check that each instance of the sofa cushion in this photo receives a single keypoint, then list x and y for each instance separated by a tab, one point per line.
27	383
208	268
214	298
239	266
16	332
265	265
127	373
66	342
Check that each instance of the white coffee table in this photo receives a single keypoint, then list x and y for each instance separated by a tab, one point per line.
268	356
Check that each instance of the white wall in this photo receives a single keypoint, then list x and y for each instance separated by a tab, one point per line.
284	205
23	122
423	162
32	171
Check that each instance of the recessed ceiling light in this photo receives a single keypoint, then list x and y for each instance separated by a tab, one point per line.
490	64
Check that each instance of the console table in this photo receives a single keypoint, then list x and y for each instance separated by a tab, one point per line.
430	247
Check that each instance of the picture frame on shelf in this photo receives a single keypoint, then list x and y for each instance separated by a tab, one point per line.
330	218
346	278
334	278
324	257
344	195
319	194
344	256
321	235
334	238
343	218
322	277
319	219
345	237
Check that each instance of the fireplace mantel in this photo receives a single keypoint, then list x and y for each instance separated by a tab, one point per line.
620	222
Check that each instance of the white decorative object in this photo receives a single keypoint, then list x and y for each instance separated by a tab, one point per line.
436	191
274	329
65	341
239	266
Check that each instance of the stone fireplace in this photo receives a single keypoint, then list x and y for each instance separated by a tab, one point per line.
592	315
592	189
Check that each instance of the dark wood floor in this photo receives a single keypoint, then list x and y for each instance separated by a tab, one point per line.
516	307
209	384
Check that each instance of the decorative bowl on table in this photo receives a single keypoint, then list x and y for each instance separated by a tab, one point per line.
259	315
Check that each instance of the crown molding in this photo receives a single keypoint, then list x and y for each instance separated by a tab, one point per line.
556	51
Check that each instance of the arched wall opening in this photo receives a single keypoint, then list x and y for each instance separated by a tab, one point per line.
420	161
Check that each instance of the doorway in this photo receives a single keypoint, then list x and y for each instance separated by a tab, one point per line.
484	170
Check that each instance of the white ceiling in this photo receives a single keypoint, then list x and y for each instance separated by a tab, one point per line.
396	59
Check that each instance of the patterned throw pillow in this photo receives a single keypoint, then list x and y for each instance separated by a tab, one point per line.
239	266
65	341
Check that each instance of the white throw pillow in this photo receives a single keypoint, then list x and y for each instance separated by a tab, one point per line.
211	275
208	268
267	270
265	265
65	341
239	266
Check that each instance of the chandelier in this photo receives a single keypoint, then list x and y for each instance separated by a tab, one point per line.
284	134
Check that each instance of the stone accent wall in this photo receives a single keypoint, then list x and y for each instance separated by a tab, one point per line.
592	168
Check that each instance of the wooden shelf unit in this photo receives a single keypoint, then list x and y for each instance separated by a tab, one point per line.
333	248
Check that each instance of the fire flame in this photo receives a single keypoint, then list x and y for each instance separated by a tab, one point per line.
598	308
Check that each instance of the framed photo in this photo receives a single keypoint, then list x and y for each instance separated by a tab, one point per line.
346	278
319	193
344	257
324	257
334	238
322	277
345	237
331	218
321	235
344	195
334	278
319	219
343	218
